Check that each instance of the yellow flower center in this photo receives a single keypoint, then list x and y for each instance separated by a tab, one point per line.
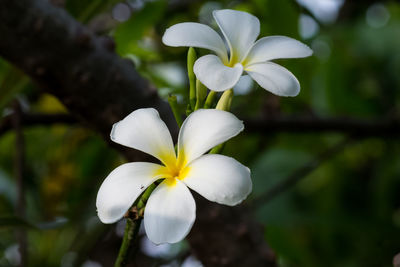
177	173
173	170
172	175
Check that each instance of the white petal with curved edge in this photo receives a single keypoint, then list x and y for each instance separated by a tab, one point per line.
204	129
215	75
219	178
240	29
273	47
195	35
274	78
144	130
170	213
121	188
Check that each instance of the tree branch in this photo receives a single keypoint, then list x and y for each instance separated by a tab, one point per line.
19	163
35	119
355	127
295	124
69	61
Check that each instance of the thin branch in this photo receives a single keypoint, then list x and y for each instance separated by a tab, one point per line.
299	174
35	119
355	127
19	177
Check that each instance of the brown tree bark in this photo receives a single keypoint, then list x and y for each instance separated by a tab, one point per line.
67	60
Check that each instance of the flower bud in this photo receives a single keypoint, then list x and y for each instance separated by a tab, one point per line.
224	103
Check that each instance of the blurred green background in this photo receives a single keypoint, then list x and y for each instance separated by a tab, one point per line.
344	211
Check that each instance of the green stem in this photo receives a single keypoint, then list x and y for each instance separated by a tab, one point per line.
217	149
191	58
131	231
201	93
188	110
175	109
143	199
132	228
192	97
210	99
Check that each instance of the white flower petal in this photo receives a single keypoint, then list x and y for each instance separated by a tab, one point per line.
144	130
170	213
204	129
219	178
274	78
215	75
273	47
195	35
122	187
240	29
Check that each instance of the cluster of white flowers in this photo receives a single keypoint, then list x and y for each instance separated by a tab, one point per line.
170	210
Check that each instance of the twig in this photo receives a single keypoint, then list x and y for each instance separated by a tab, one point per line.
32	119
19	177
355	127
299	174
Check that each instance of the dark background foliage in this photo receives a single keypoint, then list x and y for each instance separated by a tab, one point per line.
325	164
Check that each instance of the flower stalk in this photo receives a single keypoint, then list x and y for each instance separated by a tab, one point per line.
210	99
173	103
133	221
201	94
130	234
191	59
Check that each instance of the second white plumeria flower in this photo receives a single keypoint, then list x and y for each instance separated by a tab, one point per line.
240	30
170	211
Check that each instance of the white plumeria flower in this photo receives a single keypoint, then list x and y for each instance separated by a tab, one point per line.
240	30
170	211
